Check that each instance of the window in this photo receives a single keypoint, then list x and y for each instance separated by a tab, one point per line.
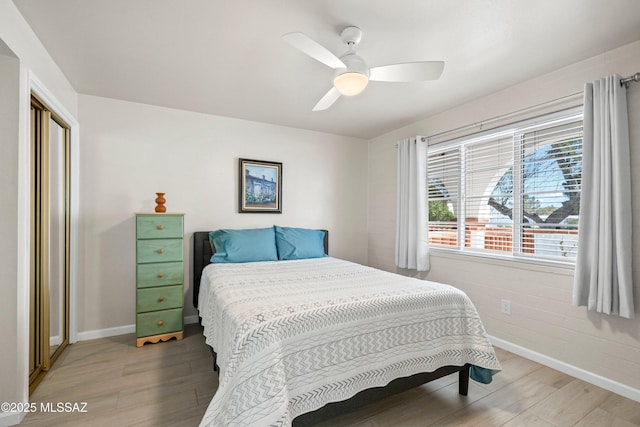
513	191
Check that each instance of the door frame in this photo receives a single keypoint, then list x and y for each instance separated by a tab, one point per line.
32	85
41	92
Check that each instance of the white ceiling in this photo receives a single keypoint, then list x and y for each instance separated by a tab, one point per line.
225	57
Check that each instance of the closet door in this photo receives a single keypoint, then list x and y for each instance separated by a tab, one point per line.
49	293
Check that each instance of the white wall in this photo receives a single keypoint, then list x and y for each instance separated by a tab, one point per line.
131	151
542	319
9	88
21	54
17	34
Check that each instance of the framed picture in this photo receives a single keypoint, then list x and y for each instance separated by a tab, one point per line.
260	186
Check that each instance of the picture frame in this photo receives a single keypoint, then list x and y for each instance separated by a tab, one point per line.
260	186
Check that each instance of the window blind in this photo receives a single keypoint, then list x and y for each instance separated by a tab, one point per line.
513	192
443	170
551	178
489	197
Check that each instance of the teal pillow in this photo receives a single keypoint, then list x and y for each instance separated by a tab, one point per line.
250	245
299	243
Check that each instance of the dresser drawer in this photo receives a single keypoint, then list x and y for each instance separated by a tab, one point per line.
159	250
158	322
158	226
159	274
154	299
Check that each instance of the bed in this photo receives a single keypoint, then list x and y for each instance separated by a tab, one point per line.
296	341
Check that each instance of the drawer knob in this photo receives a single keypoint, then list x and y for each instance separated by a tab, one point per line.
160	275
160	323
160	250
161	227
160	299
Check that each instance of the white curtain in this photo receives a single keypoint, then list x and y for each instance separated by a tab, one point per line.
412	241
603	279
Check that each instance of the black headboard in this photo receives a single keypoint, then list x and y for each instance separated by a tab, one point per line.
203	251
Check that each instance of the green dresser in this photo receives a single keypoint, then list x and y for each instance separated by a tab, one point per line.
159	276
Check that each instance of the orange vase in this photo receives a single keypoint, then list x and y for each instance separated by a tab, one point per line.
160	200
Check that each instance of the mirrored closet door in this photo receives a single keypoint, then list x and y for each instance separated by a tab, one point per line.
49	260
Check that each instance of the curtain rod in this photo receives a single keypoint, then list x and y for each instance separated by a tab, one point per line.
504	116
627	81
623	82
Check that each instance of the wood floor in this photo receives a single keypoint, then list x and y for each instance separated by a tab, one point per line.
171	384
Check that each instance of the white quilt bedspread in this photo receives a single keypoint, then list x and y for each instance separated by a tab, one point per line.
292	336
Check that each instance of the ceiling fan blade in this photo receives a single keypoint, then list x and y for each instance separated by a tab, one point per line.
327	100
407	72
306	45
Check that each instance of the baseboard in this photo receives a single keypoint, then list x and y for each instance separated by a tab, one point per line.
574	371
11	418
121	330
104	333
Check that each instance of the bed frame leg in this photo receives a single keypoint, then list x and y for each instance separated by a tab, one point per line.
464	380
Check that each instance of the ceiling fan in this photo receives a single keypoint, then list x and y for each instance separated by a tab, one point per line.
351	72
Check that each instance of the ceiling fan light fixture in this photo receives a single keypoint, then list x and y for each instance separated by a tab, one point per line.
352	74
351	83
